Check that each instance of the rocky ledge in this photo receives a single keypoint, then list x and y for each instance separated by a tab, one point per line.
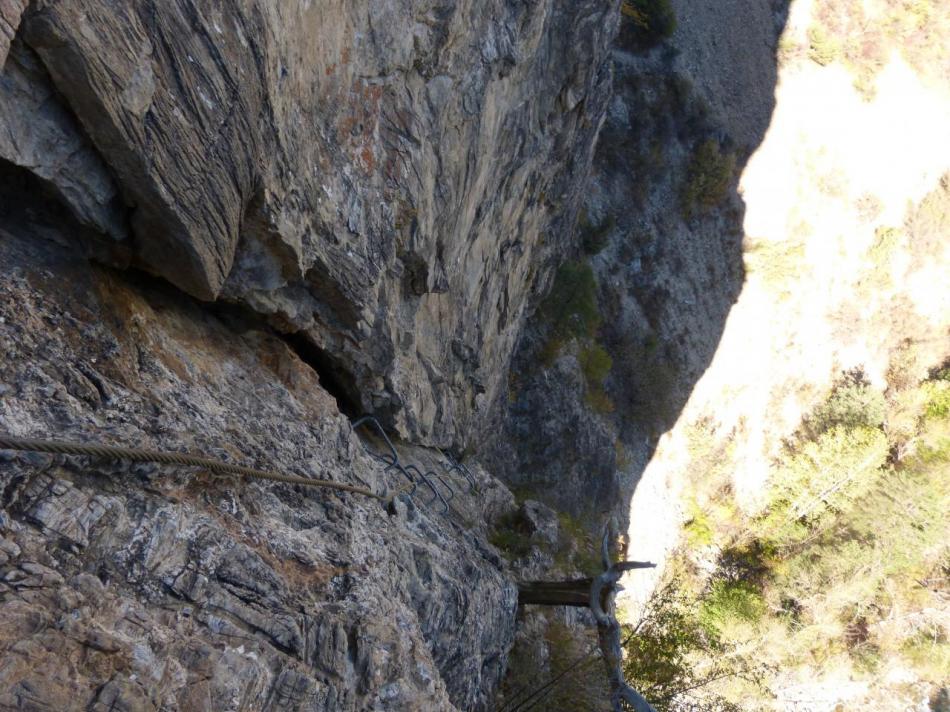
144	587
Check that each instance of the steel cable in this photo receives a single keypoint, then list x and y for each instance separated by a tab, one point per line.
56	447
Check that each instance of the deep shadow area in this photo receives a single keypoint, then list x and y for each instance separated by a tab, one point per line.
334	377
28	202
31	206
662	231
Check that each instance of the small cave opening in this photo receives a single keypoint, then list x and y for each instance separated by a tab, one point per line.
32	205
334	377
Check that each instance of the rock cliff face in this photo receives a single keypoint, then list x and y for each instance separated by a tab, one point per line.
391	180
142	588
342	206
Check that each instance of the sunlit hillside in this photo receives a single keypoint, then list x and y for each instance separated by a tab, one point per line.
811	465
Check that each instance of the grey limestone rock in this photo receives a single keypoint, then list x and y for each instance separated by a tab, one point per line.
391	180
135	588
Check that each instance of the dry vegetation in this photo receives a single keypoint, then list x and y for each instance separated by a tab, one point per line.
863	34
847	568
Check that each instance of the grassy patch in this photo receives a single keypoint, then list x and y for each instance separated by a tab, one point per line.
577	547
595	364
650	21
509	538
570	309
708	177
698	528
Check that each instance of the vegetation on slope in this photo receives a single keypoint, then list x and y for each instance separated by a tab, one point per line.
847	568
708	177
571	313
862	36
650	21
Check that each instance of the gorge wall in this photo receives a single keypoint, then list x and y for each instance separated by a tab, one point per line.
224	228
390	181
766	217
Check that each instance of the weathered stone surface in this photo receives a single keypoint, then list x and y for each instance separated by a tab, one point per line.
391	179
138	587
540	520
553	445
10	12
41	135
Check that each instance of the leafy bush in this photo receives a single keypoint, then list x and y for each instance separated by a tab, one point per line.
672	659
938	399
853	403
731	601
823	48
570	309
652	21
596	363
708	177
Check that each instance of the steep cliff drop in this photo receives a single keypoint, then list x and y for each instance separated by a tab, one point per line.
221	225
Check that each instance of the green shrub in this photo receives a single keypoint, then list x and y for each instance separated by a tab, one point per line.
731	601
823	48
938	399
581	686
595	364
594	237
928	653
708	177
671	658
509	538
853	403
570	309
652	21
699	529
577	547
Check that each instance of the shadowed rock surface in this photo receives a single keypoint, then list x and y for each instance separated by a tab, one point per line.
167	588
392	181
666	278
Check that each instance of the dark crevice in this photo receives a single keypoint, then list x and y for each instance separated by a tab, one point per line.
334	377
33	206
